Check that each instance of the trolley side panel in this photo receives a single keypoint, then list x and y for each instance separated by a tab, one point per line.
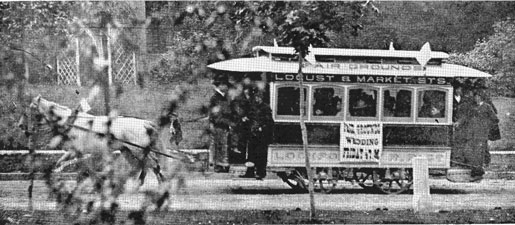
329	156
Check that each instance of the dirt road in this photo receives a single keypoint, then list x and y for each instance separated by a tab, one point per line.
236	194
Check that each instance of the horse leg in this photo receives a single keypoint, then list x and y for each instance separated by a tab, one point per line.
181	177
159	175
134	162
146	155
156	168
63	158
143	173
142	176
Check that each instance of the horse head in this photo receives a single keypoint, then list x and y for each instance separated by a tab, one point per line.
48	111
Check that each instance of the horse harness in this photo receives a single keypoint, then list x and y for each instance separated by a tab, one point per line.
68	125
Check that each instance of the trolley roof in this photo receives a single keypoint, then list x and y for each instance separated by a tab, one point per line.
352	52
267	64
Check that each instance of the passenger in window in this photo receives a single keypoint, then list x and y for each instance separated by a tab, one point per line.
323	102
339	106
430	110
433	106
361	108
364	106
317	107
288	101
403	104
389	104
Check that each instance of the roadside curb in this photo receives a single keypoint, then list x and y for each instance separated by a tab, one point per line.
37	176
508	175
191	175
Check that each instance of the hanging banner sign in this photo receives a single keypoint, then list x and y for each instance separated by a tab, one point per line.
361	141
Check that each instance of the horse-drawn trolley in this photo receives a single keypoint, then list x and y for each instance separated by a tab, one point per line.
368	113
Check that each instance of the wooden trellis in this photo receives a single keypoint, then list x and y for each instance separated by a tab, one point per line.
122	68
68	64
123	64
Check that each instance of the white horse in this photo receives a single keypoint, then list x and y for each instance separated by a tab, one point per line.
135	138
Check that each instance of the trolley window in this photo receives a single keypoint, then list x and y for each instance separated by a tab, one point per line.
362	102
397	104
327	102
288	100
318	133
432	105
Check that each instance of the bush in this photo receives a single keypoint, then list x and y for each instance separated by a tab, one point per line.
494	55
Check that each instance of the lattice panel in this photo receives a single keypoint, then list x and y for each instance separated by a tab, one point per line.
124	65
67	73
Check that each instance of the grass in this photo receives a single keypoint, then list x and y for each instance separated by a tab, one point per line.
279	217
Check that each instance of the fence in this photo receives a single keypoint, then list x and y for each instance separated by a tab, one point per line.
68	66
121	62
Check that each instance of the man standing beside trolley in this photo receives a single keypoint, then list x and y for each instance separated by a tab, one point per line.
483	119
261	134
219	124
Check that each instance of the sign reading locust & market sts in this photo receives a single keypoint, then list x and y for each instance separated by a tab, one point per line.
369	79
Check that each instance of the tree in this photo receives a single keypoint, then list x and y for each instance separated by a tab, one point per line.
29	28
22	27
307	25
494	55
448	26
296	24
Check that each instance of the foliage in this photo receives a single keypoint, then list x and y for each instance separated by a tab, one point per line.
39	31
16	163
26	20
29	28
300	25
288	216
448	26
494	55
74	18
308	24
175	66
203	33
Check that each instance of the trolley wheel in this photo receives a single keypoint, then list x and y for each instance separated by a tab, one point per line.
377	180
327	185
365	181
298	181
395	184
295	180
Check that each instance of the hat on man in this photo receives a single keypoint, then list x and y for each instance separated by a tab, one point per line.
258	93
219	79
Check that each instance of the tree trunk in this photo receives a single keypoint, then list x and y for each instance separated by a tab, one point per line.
29	131
311	188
